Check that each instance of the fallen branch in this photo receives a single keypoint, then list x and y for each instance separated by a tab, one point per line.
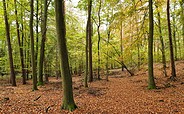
37	98
122	63
47	109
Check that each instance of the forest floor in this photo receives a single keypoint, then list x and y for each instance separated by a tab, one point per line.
122	94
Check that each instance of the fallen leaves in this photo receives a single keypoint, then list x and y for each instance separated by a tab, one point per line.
122	94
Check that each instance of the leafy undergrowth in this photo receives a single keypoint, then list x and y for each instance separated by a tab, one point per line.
123	94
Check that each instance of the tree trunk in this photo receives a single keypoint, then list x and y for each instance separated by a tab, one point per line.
162	43
42	49
107	58
174	34
7	28
90	40
98	30
121	44
173	71
37	32
20	46
68	100
87	60
32	47
151	82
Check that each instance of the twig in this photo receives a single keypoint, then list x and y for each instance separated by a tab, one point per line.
47	109
37	98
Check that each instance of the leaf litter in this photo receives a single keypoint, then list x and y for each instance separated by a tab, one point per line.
122	94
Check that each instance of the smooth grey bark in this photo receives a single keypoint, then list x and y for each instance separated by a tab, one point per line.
68	100
32	47
99	37
151	82
37	33
90	41
121	43
174	34
173	70
87	57
42	49
107	58
7	28
20	45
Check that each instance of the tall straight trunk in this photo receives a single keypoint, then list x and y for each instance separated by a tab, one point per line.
121	43
135	17
90	40
151	81
37	32
68	100
23	43
28	59
107	58
20	46
174	34
7	28
87	56
98	30
42	49
32	47
162	44
173	71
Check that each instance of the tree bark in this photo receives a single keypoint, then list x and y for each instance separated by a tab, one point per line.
87	54
151	82
90	40
37	32
68	100
107	58
7	28
162	43
173	71
99	37
20	46
42	49
32	47
121	43
174	34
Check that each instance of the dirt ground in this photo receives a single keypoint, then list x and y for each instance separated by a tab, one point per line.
122	94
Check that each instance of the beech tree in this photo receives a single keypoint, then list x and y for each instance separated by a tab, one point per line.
98	24
173	70
42	49
7	28
151	82
161	39
32	47
20	46
68	100
89	35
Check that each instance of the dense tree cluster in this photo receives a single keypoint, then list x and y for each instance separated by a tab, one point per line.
55	38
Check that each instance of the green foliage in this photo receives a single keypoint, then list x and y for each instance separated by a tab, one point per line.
40	83
131	15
